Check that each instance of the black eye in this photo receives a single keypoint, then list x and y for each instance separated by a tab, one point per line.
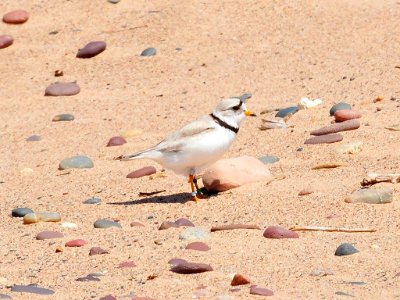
237	107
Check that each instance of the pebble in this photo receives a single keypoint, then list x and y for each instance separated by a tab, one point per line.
185	267
176	261
288	111
109	297
69	225
136	224
277	232
184	222
351	148
245	97
230	173
31	288
91	49
178	223
45	235
18	16
6	41
114	1
63	117
194	233
371	196
75	243
145	171
104	223
149	52
324	139
26	172
62	89
42	217
345	249
256	290
21	212
273	124
76	162
116	141
97	251
339	293
305	103
337	127
344	115
305	192
339	106
199	246
269	159
92	200
131	133
88	278
127	264
34	138
167	224
240	279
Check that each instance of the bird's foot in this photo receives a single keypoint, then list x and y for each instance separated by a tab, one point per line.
194	196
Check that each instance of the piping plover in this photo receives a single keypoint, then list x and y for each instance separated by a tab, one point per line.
194	147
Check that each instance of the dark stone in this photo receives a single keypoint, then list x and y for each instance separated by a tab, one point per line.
104	223
92	49
184	222
21	212
92	200
345	249
149	52
31	288
185	267
339	106
97	251
284	112
116	141
34	138
256	290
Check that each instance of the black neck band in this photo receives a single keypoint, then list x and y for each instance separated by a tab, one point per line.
223	124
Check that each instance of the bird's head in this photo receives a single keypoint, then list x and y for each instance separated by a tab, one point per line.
233	110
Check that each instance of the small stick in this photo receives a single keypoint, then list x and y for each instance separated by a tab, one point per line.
374	178
234	226
142	194
330	229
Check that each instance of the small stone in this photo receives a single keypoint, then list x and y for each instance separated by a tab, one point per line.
6	41
92	49
269	159
240	279
109	297
145	171
21	212
63	117
277	232
58	73
167	224
18	16
149	52
285	112
345	249
344	115
190	268
97	251
199	246
131	133
194	233
245	97
69	225
351	148
321	272
184	222
136	224
31	288
116	141
88	278
371	196
76	162
305	192
339	293
278	123
256	290
337	127
142	298
324	139
42	217
59	249
92	200
104	223
45	235
34	138
305	103
26	172
127	264
62	89
76	243
339	106
176	261
231	173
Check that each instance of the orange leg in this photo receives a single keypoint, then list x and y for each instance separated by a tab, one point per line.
192	185
199	193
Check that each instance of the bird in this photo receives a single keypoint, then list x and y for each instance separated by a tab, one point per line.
192	148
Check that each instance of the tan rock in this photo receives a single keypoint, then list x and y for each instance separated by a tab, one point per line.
233	172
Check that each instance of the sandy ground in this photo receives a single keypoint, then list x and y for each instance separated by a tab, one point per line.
279	51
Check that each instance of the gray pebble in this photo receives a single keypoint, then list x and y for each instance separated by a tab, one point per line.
21	212
34	138
282	113
339	106
269	159
92	200
104	223
194	233
344	294
345	249
149	52
114	1
63	117
31	288
77	162
384	195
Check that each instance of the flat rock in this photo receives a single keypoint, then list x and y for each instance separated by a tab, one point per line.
104	223
185	267
76	243
20	212
277	232
194	233
34	138
108	297
32	288
116	141
149	52
285	112
97	251
62	89
339	106
324	139
136	224
92	49
184	222
88	278
63	117
269	159
231	173
145	171
45	235
42	217
345	249
127	264
76	162
92	200
167	224
199	246
337	127
18	16
344	115
371	196
240	279
6	41
256	290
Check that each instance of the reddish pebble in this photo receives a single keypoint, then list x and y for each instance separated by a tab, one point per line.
76	243
324	139
344	115
5	41
256	290
44	235
184	222
127	264
91	49
191	268
176	261
108	297
62	89
338	127
305	192
136	224
18	16
116	141
199	246
240	279
142	298
146	171
167	224
97	250
277	232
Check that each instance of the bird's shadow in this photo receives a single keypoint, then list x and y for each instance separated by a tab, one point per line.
174	198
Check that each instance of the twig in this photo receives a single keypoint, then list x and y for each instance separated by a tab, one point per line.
234	226
330	229
374	178
142	194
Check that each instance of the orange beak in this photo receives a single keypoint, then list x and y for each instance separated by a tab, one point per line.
249	113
